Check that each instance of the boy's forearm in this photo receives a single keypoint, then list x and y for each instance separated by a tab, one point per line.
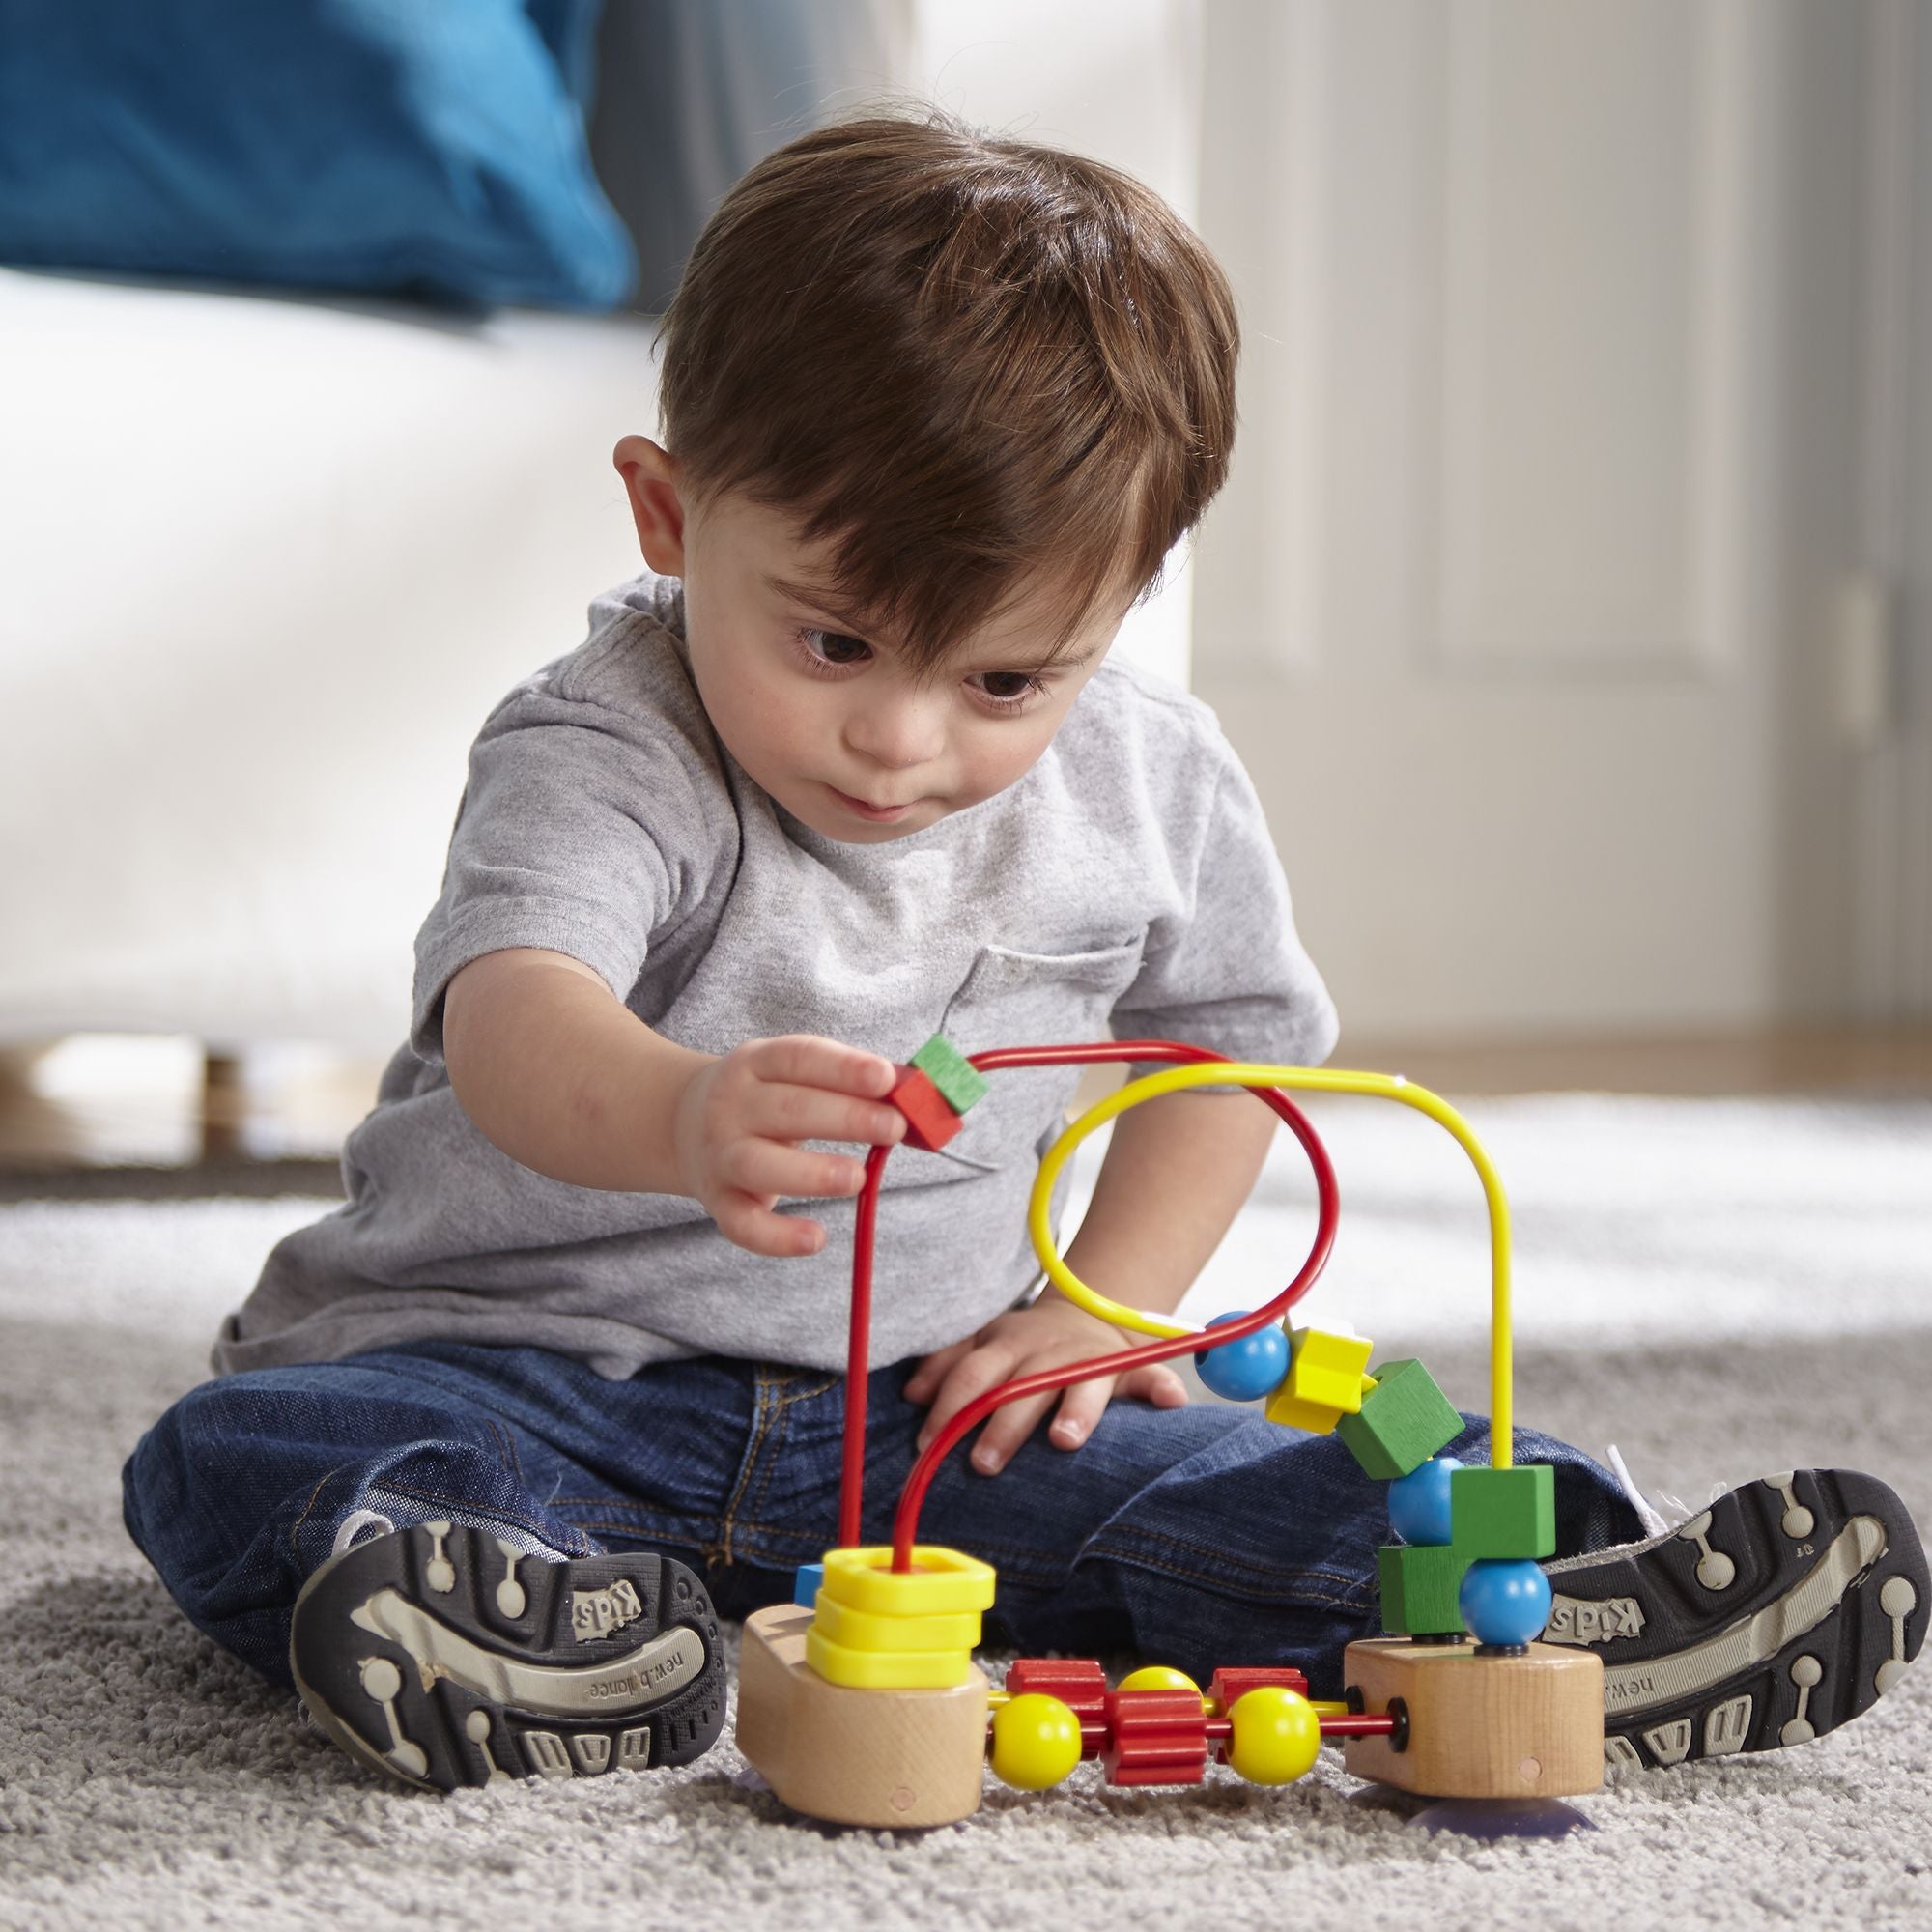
1175	1174
557	1071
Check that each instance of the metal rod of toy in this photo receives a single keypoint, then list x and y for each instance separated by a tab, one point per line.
852	1467
1309	1079
905	1523
857	1353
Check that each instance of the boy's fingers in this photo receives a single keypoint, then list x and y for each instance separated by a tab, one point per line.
1156	1383
931	1372
979	1368
812	1061
1080	1408
1006	1429
754	1166
790	1112
748	1222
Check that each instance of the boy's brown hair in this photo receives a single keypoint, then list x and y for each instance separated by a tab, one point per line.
966	363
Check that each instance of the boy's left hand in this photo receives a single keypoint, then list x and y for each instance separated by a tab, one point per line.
1046	1335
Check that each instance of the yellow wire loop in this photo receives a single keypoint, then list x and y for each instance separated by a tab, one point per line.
1307	1079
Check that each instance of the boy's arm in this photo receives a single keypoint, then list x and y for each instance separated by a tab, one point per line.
554	1069
562	1077
1177	1171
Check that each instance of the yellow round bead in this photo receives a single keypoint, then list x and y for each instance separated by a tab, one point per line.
1036	1741
1159	1677
1277	1735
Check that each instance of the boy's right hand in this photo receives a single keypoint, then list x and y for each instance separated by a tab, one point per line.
740	1119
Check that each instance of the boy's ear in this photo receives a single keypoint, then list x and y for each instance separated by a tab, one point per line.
650	480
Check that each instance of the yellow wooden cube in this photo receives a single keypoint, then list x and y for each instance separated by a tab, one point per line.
1323	1381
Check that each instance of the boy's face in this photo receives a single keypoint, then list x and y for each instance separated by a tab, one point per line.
821	710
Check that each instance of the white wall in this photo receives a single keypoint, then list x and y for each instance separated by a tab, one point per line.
1521	604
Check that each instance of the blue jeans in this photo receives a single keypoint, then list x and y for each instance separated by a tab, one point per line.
1194	1536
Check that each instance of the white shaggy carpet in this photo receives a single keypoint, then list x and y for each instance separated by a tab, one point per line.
1722	1288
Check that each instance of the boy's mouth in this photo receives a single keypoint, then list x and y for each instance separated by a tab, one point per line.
878	814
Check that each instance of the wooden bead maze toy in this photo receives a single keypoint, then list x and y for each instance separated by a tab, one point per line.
860	1702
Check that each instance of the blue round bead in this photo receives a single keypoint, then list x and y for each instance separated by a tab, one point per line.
1504	1599
1419	1501
1246	1369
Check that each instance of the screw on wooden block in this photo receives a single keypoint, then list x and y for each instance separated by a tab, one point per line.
929	1122
1323	1381
952	1072
1404	1420
1504	1513
1078	1682
1155	1737
1419	1586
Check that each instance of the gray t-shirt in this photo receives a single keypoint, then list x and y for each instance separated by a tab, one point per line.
1126	884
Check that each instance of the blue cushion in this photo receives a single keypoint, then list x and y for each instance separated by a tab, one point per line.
433	145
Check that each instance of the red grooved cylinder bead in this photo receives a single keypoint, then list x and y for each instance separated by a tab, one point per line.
1155	1737
1232	1681
1078	1682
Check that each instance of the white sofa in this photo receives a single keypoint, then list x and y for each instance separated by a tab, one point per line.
268	562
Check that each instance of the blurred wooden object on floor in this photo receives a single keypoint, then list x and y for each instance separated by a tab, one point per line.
97	1100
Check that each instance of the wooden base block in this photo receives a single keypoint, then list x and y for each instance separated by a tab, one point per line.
1529	1726
856	1757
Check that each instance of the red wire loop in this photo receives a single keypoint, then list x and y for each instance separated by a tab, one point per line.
912	1497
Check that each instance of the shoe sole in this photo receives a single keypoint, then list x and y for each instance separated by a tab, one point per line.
1783	1610
447	1657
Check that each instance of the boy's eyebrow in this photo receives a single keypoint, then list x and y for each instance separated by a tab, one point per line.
827	603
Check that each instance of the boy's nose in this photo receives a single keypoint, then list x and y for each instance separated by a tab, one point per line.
898	732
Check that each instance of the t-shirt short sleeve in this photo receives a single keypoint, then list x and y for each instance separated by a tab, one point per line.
577	833
1228	971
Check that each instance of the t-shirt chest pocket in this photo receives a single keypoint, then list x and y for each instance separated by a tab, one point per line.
1009	998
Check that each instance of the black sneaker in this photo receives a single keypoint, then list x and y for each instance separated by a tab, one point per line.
447	1657
1775	1615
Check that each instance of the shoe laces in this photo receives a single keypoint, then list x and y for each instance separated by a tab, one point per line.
355	1524
1659	1510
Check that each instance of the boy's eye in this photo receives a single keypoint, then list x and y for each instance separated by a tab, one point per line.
834	648
823	652
1008	690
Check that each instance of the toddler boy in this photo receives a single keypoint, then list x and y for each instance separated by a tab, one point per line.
849	765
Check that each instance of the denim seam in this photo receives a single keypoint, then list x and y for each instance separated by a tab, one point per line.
507	1452
773	1448
811	1394
295	1533
722	1550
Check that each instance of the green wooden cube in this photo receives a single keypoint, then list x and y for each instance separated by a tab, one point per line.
950	1071
1504	1512
1405	1419
1419	1586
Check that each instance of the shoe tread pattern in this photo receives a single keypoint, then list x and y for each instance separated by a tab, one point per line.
1814	1681
329	1653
